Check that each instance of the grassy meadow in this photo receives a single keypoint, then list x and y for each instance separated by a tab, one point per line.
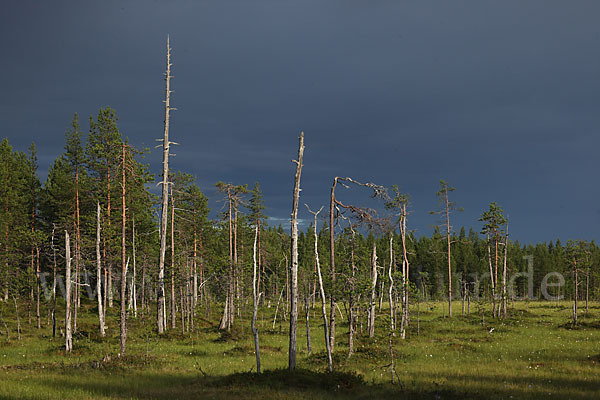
535	353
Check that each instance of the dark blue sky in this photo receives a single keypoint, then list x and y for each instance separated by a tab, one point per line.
500	98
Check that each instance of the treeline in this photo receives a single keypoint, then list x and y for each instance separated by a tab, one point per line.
209	262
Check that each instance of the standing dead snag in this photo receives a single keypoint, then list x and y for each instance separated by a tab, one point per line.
255	299
363	215
391	288
165	200
68	336
321	290
294	277
373	289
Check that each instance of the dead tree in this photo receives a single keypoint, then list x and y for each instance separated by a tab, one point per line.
255	299
405	272
99	273
322	290
172	302
391	288
68	335
294	250
161	314
373	291
361	215
53	283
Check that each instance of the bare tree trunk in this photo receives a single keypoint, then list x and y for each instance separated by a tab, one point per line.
294	280
255	298
108	258
165	199
504	298
491	272
99	273
391	288
449	257
406	274
68	336
195	270
322	292
53	284
173	308
373	291
332	264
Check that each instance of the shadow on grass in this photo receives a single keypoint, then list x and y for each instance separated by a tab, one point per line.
302	384
278	383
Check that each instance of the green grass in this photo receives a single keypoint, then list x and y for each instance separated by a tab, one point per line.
535	353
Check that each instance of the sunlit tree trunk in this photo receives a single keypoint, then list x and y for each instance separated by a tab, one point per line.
294	250
68	335
255	298
372	300
99	273
161	314
322	292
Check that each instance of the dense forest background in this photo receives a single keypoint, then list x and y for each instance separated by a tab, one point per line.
103	168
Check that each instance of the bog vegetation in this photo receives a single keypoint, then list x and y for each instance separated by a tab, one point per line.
108	291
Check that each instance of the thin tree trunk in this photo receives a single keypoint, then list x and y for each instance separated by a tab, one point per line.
173	308
194	266
134	277
53	283
108	258
99	273
68	337
373	291
165	199
226	320
294	280
576	293
18	319
504	298
255	299
351	314
123	316
391	288
37	279
491	272
332	264
449	257
322	293
406	274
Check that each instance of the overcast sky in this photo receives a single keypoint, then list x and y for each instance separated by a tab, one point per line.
500	98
